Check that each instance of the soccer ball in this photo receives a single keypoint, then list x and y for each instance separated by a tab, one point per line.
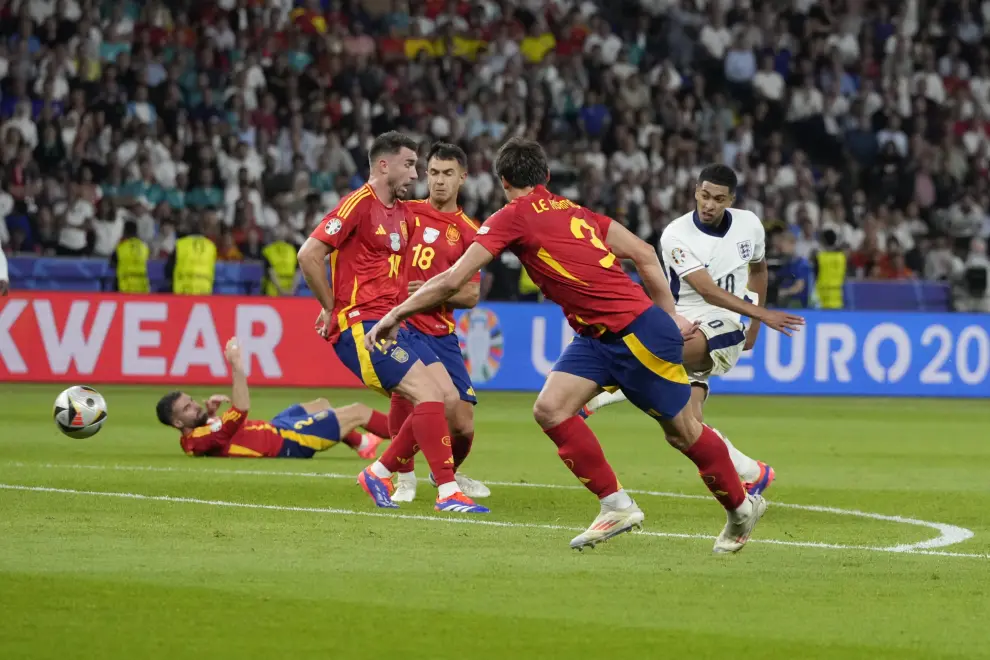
80	412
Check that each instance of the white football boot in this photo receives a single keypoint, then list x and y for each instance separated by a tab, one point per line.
470	487
740	525
405	489
610	522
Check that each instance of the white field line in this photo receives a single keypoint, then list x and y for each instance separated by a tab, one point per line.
948	534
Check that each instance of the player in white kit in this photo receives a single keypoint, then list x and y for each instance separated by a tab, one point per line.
715	260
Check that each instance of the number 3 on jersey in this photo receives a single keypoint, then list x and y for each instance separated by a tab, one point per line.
578	226
423	257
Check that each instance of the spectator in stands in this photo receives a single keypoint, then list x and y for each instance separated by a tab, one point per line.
793	274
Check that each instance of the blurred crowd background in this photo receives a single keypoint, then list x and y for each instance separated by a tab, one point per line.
855	126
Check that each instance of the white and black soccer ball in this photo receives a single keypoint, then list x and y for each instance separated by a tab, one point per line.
80	412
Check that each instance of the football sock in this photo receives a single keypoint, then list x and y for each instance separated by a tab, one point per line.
581	452
606	399
747	469
461	447
403	453
711	456
380	424
429	424
379	470
398	455
354	440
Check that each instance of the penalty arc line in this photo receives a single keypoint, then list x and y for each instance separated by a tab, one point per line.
948	534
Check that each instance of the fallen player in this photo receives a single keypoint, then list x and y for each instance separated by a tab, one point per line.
299	431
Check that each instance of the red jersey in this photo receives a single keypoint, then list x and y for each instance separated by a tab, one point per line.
233	435
436	240
562	247
368	241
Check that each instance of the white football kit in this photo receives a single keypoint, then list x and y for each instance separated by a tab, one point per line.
687	246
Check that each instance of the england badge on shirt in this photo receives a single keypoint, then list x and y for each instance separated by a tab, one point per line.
745	250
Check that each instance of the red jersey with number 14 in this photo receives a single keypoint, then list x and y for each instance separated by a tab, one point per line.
436	241
368	241
562	246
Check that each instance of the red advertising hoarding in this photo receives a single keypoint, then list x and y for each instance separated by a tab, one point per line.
110	338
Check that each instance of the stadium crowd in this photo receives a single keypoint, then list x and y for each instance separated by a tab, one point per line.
855	126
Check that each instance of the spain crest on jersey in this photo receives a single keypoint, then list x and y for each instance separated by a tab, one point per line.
452	234
745	250
404	229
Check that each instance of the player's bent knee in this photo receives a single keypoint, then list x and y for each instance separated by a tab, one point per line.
462	421
547	413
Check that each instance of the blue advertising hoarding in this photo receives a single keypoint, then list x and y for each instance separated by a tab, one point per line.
512	346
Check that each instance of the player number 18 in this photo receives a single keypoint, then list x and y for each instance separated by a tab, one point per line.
423	257
578	227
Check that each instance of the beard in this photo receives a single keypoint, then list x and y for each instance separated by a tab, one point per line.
202	420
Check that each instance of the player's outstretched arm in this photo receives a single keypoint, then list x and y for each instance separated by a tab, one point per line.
702	282
312	258
626	245
758	280
239	396
437	290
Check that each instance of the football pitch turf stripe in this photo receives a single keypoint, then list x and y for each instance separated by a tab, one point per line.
948	534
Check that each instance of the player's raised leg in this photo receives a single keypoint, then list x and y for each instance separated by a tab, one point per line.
365	444
701	361
580	372
647	365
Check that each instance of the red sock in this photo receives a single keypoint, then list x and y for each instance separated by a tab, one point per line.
381	425
461	447
711	456
352	440
581	452
429	422
400	453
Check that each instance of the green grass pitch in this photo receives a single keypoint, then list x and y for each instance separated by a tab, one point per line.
307	568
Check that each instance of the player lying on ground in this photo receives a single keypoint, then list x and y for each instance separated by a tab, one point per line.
439	233
299	431
366	236
624	339
716	260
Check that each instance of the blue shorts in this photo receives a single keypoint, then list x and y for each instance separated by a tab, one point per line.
304	434
380	370
645	360
447	351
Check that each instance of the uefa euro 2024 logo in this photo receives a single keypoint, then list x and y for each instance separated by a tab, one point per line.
480	337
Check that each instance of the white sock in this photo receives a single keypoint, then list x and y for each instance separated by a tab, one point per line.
745	510
617	500
407	478
606	399
446	490
747	469
364	442
380	470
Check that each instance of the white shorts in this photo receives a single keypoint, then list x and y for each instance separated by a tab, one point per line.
726	340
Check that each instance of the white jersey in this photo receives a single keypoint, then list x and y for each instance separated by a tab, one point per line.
687	246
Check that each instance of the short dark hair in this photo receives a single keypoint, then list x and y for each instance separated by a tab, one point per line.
830	238
720	175
447	151
522	163
165	407
390	144
130	229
